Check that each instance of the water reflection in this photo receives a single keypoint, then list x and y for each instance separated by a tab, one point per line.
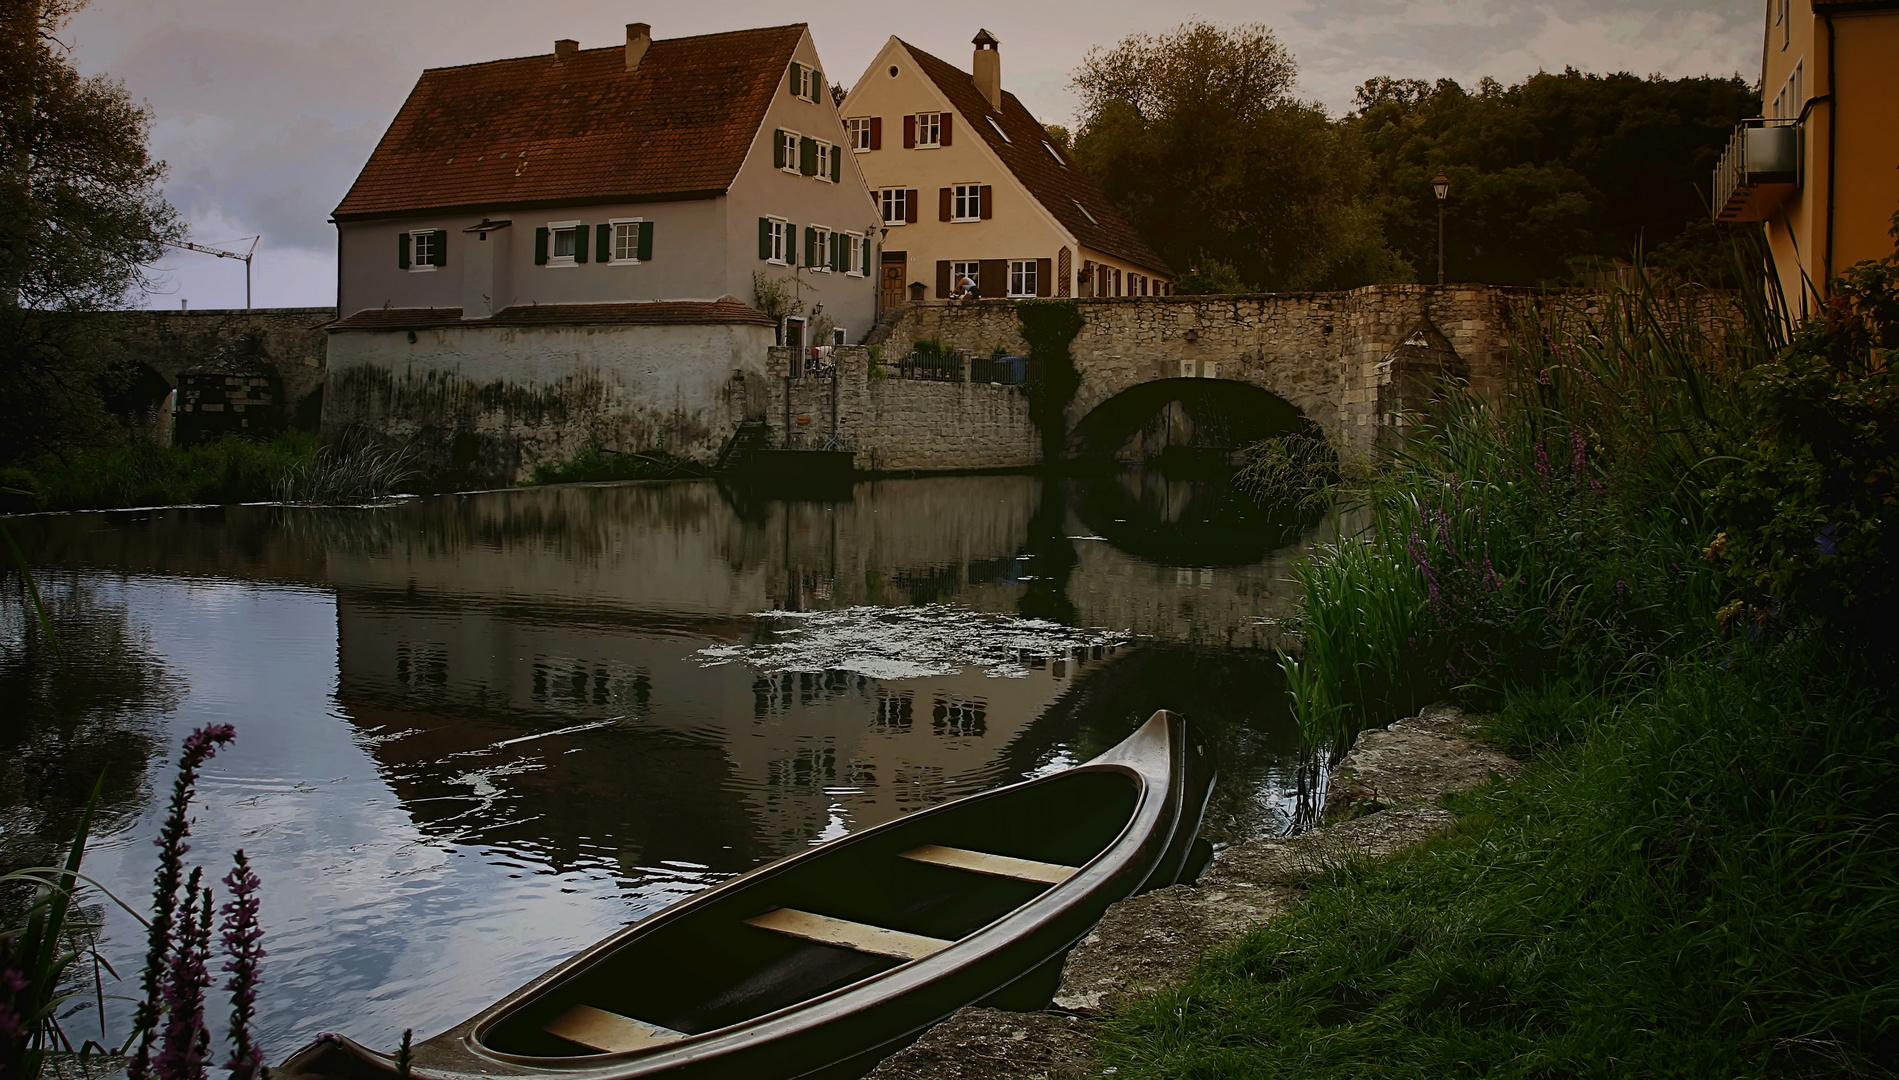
477	732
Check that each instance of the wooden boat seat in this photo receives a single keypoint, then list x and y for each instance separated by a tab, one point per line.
981	862
608	1031
845	934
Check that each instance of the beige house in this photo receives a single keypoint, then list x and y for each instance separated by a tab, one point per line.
969	186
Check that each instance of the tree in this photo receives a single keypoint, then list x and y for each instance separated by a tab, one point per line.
81	217
1196	137
1551	174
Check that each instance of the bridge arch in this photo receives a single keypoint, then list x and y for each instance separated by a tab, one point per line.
1143	418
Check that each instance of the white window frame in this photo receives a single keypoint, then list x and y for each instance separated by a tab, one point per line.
782	239
803	327
1084	212
965	198
791	152
972	268
821	251
859	128
897	199
854	265
825	150
804	83
613	241
999	131
418	264
838	335
554	229
1052	152
936	128
1023	275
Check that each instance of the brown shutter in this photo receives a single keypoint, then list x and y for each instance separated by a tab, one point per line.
992	277
942	204
1044	271
988	194
876	133
942	280
945	138
910	207
909	133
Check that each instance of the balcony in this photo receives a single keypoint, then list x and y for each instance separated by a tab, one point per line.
1760	169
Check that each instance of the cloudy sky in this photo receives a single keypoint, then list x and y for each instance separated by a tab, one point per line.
266	109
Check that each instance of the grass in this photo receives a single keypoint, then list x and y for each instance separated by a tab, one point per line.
595	466
228	471
1695	875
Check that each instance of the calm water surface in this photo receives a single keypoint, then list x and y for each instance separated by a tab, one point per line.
478	732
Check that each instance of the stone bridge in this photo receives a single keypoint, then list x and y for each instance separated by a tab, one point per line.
1349	362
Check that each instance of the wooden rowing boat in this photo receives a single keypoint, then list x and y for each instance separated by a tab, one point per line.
824	962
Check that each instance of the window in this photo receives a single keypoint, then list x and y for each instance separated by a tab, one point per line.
837	335
563	243
1050	147
794	332
999	131
961	270
625	241
776	240
966	202
1084	212
788	151
825	153
896	204
859	128
1022	279
424	256
929	129
1785	18
852	258
806	83
818	248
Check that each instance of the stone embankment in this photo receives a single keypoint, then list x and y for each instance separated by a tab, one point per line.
1383	798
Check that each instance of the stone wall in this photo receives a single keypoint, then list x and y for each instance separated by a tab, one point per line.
485	404
896	424
1336	356
171	341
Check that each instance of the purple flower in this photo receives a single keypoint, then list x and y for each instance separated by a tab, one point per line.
242	938
1542	460
199	747
13	987
182	1054
1577	449
1621	591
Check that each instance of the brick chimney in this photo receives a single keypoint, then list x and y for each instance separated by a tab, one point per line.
564	48
638	37
987	68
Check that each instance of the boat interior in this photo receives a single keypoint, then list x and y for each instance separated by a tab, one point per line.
870	903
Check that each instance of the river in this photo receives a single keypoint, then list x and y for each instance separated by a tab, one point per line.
477	732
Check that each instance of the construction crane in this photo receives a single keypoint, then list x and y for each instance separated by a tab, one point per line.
245	257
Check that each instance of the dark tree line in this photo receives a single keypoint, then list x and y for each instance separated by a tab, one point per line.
1198	137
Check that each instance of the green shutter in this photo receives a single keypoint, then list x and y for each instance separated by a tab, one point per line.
646	241
402	251
795	69
439	255
764	238
808	155
810	245
778	148
580	243
603	243
817	85
866	263
540	247
836	163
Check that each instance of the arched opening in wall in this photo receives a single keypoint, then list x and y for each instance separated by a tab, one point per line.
141	398
1183	420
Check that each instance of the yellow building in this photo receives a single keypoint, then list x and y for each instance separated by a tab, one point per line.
970	186
1820	168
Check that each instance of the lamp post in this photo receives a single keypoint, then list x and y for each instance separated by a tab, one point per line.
1442	185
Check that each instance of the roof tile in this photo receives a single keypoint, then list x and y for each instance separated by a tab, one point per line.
538	130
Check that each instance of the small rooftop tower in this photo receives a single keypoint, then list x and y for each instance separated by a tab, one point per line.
987	68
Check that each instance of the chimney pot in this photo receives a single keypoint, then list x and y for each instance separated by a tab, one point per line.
638	36
565	47
986	68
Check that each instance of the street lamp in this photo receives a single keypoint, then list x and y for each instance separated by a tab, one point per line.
1442	185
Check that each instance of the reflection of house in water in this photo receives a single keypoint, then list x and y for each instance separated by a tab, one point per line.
580	735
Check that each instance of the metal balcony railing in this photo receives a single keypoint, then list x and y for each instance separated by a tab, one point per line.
1760	169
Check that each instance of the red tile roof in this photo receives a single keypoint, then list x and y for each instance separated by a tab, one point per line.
661	313
537	130
1063	190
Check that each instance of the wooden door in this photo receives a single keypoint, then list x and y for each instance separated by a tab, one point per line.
896	271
